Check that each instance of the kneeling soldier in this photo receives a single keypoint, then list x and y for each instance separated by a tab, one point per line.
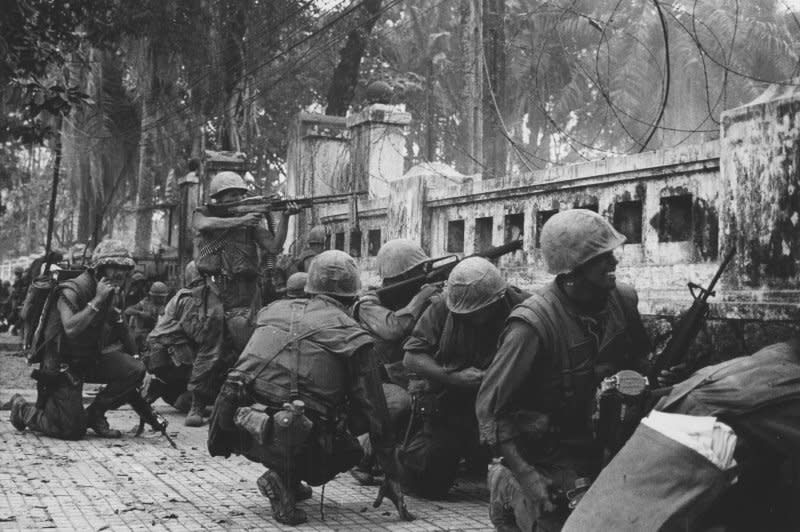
305	383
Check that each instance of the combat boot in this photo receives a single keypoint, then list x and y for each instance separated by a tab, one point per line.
17	403
281	499
97	421
302	492
195	416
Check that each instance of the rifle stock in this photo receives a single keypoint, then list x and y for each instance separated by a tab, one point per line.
689	326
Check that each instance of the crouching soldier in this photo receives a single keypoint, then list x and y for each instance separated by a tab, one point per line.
81	333
143	315
451	346
306	381
173	344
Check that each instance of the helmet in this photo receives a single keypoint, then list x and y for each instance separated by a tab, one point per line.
138	277
158	289
19	270
334	273
398	256
296	284
473	284
190	273
316	235
226	181
573	237
112	252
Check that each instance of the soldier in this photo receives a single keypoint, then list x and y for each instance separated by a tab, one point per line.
136	289
18	291
143	315
226	254
81	337
315	244
173	343
390	322
451	346
310	369
536	400
296	285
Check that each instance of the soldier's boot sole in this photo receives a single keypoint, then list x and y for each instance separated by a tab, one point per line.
283	510
17	402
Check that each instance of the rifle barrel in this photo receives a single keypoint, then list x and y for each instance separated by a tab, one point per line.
721	269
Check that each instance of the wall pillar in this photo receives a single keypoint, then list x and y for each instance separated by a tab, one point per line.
317	164
377	148
759	158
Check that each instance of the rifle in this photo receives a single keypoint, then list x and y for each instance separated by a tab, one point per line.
267	204
624	398
149	416
438	269
689	326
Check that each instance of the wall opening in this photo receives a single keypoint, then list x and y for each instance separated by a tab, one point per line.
591	205
483	233
514	227
373	242
327	241
628	220
355	243
675	219
338	241
455	236
541	219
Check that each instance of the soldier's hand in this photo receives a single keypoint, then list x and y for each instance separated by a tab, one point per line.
251	219
105	288
673	375
392	491
468	377
291	208
536	488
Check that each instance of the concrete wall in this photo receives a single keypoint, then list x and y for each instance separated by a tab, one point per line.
682	209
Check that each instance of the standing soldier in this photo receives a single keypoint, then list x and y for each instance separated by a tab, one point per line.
310	369
144	314
136	289
451	346
390	322
315	244
226	254
536	401
80	332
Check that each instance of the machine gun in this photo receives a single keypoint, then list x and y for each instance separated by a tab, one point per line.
624	398
268	204
437	270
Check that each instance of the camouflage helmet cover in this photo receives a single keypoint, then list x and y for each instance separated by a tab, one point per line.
226	181
158	289
296	284
334	273
573	237
398	256
112	252
474	283
316	235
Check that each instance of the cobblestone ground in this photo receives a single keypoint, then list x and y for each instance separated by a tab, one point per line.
144	484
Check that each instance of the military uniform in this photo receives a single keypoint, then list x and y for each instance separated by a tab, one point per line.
540	390
92	355
307	349
143	320
447	431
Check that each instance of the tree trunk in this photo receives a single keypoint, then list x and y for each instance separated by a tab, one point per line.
146	181
495	143
345	75
473	85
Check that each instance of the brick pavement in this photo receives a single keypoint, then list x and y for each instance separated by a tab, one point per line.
144	484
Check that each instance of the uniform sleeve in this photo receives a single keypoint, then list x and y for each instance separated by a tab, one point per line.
500	405
388	325
367	399
428	329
